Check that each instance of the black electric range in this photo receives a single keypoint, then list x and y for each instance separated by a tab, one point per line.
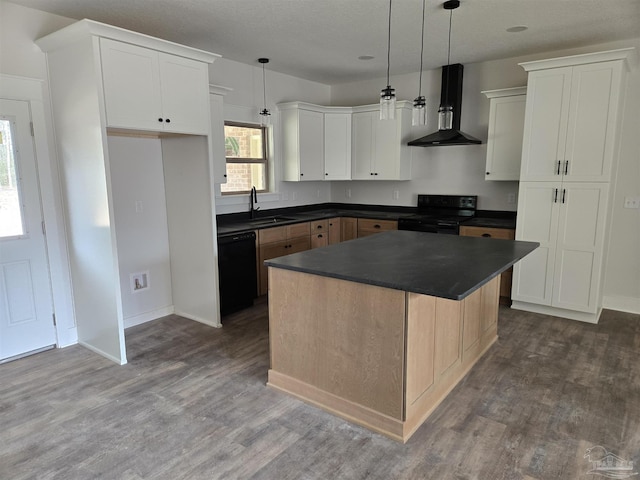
440	214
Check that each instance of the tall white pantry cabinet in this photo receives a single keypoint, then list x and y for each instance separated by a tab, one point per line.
106	81
570	147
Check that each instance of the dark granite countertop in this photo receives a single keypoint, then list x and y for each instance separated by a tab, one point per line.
439	265
239	226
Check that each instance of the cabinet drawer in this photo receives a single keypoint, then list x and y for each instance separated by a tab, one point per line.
369	226
298	230
319	226
270	235
504	233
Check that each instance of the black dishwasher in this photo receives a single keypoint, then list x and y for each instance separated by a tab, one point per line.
237	271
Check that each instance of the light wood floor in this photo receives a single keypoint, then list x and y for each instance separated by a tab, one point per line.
192	404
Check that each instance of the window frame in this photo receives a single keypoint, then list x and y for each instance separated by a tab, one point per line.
264	160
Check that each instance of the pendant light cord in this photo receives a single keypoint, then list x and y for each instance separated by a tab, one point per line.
389	46
264	88
421	49
446	90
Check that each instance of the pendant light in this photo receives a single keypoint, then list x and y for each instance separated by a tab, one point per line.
445	112
264	113
419	116
388	95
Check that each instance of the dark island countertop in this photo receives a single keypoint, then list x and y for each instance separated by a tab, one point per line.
445	266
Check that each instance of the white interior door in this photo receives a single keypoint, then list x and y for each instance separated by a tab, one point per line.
26	310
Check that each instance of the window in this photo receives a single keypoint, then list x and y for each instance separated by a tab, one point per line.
11	221
247	162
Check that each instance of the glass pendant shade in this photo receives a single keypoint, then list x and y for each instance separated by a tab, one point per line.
419	113
388	103
265	115
445	117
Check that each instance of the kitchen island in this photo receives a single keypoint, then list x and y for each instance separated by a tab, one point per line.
380	329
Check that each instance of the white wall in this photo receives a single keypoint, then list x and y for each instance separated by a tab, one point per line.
20	56
141	226
243	104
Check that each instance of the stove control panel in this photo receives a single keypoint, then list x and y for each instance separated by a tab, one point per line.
448	201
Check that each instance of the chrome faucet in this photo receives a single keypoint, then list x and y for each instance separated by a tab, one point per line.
253	197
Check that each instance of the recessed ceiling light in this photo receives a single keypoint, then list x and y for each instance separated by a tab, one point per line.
366	57
517	28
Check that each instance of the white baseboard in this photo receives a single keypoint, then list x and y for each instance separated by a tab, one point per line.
100	352
557	312
148	316
66	336
622	304
198	319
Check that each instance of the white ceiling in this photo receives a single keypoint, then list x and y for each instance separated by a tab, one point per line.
321	39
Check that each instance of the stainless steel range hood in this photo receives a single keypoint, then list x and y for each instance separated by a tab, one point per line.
451	92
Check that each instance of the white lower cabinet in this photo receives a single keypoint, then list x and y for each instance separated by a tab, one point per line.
568	219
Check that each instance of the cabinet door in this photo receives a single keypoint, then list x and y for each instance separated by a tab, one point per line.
311	145
362	146
504	144
185	89
370	226
319	240
131	84
348	228
595	91
545	125
386	154
267	252
579	246
538	222
217	138
334	231
337	146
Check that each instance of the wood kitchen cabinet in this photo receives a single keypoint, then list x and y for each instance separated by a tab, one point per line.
319	233
335	230
145	89
348	228
501	233
379	147
506	126
279	241
370	226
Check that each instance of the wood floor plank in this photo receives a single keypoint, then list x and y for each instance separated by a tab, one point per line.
192	404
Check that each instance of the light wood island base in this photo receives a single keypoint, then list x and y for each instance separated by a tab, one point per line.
378	357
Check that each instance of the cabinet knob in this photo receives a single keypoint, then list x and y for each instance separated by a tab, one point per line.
326	173
302	174
319	235
377	226
371	173
375	173
319	227
168	120
486	235
487	173
225	175
160	120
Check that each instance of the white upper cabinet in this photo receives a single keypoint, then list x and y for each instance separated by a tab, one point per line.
316	142
216	102
379	147
572	111
149	90
302	142
337	146
506	126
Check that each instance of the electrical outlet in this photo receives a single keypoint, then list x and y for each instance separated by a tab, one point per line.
347	192
294	196
318	193
511	198
396	194
139	207
631	202
285	196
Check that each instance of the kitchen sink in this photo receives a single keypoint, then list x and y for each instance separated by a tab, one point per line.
270	221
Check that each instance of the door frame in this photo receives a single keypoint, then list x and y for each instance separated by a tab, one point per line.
35	93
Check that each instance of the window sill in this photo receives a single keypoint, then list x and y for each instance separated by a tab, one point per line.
243	198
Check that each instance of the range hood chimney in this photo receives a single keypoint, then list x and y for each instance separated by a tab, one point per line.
451	92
